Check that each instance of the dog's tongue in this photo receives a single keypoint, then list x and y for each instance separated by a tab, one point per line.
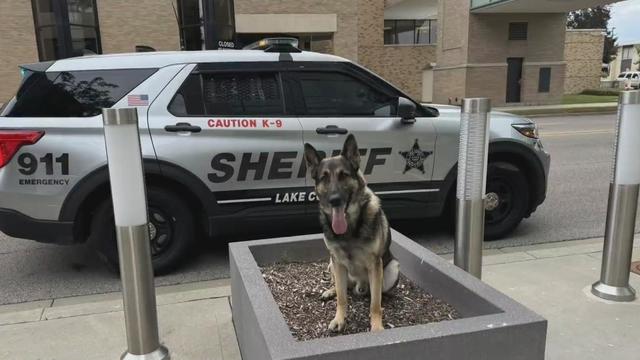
339	221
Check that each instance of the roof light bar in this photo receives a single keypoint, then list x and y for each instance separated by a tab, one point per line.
278	44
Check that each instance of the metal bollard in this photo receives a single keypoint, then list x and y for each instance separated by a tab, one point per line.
472	178
122	141
623	203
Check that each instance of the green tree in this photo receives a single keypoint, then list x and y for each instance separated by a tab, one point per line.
595	18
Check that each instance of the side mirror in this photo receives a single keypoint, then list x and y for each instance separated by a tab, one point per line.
406	110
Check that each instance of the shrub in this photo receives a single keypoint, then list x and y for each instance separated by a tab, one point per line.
603	92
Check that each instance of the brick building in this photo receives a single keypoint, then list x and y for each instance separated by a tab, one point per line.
435	50
583	54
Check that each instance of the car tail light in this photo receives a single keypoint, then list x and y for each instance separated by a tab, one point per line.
12	140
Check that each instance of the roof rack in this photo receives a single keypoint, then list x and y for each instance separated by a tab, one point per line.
278	44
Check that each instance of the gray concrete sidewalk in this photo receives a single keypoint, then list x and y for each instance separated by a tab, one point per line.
195	319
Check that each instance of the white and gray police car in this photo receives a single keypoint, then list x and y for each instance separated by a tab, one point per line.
222	136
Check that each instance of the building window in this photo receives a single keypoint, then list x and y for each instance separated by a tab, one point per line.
627	52
206	24
544	79
518	31
410	32
66	28
190	18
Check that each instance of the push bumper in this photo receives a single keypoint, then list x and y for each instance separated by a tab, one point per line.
16	224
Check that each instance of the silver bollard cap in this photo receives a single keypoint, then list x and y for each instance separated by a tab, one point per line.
630	97
476	105
121	116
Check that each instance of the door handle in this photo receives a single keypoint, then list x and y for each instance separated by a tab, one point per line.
331	130
182	126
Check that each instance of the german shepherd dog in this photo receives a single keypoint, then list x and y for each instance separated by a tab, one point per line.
356	232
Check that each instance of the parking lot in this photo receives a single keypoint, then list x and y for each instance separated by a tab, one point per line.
575	209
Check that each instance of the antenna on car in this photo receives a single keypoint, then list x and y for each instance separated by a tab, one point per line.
278	44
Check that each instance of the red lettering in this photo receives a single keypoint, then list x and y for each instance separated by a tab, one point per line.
252	123
211	123
265	123
219	123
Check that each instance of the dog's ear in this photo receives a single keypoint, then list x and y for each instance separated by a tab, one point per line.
350	151
312	158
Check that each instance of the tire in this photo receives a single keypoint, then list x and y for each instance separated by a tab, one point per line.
509	184
172	231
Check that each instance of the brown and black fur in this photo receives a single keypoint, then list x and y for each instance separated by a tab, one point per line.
360	257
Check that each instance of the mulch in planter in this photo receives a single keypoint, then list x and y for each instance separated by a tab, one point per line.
297	288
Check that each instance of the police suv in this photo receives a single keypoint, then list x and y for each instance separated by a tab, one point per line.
222	136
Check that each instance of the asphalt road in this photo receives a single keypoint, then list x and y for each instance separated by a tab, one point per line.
575	208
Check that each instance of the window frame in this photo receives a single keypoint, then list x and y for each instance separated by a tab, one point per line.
511	34
54	76
62	27
415	32
348	69
544	87
233	68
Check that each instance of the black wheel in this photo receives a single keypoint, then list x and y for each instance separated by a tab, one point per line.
507	199
171	231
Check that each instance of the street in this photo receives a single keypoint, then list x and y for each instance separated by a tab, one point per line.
581	149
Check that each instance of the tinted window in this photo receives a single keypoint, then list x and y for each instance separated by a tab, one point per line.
66	28
74	93
544	79
518	31
241	94
336	94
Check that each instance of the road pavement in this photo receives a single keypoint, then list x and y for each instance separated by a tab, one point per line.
581	148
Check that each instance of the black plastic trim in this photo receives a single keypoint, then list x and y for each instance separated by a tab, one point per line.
19	225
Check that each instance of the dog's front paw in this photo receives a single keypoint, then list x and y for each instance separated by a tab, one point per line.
337	324
329	294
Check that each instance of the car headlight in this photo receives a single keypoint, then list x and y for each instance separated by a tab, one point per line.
529	130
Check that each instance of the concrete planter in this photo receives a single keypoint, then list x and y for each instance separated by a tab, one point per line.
492	326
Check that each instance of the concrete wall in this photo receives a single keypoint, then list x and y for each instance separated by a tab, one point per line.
345	39
450	74
583	54
17	44
481	54
124	25
402	65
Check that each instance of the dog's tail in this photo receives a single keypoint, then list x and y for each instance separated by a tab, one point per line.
390	275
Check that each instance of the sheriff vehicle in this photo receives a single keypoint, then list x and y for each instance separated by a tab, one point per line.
222	136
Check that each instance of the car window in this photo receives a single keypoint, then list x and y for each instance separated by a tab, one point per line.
635	76
628	76
238	94
622	75
338	94
74	93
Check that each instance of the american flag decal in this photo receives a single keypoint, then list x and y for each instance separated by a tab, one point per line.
138	100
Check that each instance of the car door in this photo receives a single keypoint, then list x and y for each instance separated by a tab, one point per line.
333	100
226	123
